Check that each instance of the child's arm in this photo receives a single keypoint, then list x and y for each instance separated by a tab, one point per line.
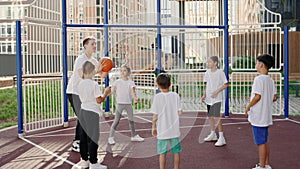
154	120
180	112
204	93
101	99
274	98
215	93
133	93
255	99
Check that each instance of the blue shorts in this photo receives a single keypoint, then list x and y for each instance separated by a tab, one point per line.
162	146
260	134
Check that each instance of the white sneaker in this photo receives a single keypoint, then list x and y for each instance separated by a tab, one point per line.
137	138
211	137
221	142
268	167
83	164
258	167
75	146
97	166
111	140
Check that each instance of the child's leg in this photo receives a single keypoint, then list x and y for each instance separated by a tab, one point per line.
262	152
267	154
212	123
162	161
176	160
93	136
116	120
129	111
219	122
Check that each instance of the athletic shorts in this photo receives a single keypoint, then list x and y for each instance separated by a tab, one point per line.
162	146
214	110
260	134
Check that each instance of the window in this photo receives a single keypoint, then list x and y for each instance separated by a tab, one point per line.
9	48
8	29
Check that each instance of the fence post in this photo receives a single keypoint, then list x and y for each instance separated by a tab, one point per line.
286	72
226	56
19	77
65	62
106	54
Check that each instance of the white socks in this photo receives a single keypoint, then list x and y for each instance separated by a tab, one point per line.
221	134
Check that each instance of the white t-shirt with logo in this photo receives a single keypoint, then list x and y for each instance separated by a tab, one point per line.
123	90
75	78
260	114
166	106
214	80
88	91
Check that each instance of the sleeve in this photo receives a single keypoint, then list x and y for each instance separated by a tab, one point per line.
132	84
257	86
78	64
205	77
224	79
153	109
97	91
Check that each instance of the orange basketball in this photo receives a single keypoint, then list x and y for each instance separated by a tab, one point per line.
107	64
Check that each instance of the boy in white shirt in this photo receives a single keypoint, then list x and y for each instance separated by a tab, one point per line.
166	108
259	110
90	95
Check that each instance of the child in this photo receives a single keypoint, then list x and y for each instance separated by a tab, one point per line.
165	125
259	109
125	90
90	96
216	82
89	45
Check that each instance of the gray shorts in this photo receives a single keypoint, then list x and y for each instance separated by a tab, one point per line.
214	110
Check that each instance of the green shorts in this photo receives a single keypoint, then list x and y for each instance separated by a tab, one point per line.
162	146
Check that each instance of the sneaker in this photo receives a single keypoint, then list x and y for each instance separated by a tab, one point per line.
97	166
83	164
211	137
221	142
111	140
258	167
75	146
137	138
266	166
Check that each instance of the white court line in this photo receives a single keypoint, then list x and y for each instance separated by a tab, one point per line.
297	122
144	119
50	152
182	127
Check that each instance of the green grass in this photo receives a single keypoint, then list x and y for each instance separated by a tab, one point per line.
8	109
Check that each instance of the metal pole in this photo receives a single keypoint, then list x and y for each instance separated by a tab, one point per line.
286	72
106	54
19	77
226	55
158	36
65	62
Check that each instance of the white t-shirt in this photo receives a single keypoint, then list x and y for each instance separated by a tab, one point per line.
75	78
214	80
88	91
166	106
260	114
123	90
